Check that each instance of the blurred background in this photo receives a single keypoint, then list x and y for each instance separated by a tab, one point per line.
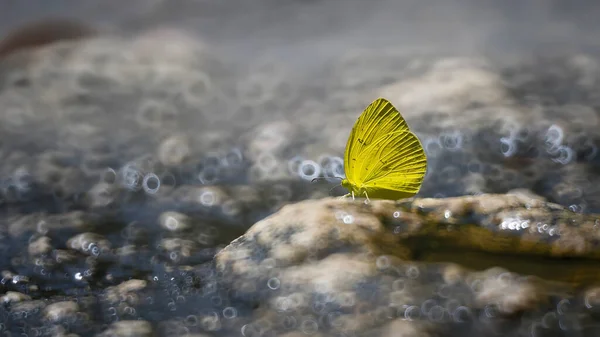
127	127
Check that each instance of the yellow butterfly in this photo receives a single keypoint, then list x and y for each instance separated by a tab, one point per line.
383	159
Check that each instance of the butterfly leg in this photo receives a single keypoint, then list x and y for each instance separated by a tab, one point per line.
367	196
353	195
345	196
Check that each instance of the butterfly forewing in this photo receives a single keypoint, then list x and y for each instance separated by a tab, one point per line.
378	119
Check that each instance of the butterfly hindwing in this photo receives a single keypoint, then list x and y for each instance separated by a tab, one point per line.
394	164
378	119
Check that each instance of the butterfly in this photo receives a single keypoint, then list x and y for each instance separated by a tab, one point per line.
383	158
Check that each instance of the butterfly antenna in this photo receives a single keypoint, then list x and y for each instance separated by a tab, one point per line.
320	178
331	189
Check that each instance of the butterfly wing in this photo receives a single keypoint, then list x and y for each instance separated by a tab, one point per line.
393	166
378	119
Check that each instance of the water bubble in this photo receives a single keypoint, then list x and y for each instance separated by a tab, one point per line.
273	283
554	136
318	307
309	326
565	155
432	147
508	147
294	164
563	306
208	175
208	198
191	320
309	170
289	322
461	314
230	312
382	262
412	312
151	183
233	158
412	272
399	284
172	223
427	305
131	177
348	219
451	141
266	161
334	168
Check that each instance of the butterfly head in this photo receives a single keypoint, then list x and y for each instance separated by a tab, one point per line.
350	186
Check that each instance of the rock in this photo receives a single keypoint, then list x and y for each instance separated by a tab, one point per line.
40	246
273	137
448	86
425	260
61	311
129	329
42	32
174	150
174	221
13	297
89	244
120	292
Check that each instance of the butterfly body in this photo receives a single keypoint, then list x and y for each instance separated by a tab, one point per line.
383	158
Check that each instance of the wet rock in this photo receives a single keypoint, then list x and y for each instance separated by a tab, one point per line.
13	297
174	150
27	308
178	247
272	138
40	246
174	221
454	85
89	243
129	329
120	292
102	195
61	311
